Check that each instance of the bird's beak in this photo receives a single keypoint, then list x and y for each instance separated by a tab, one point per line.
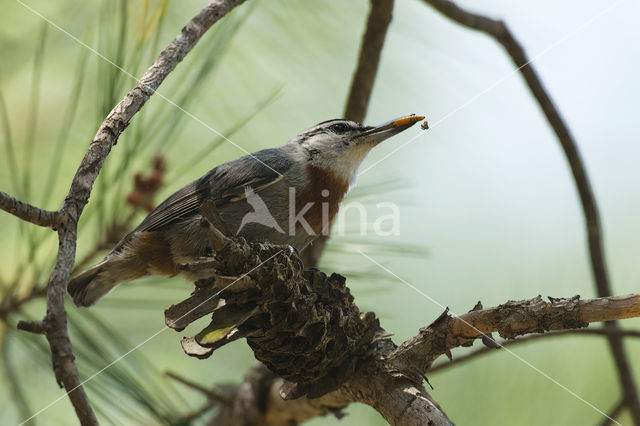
375	135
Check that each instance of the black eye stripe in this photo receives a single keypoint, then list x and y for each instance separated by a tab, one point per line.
335	126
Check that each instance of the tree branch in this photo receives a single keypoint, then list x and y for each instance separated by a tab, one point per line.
27	212
258	400
526	339
13	303
55	321
510	320
370	50
213	396
501	33
357	103
389	377
613	413
35	327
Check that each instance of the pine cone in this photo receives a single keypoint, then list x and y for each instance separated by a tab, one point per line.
300	323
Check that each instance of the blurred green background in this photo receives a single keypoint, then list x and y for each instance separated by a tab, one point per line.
488	208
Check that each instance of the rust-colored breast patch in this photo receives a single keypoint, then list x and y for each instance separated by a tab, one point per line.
325	192
152	250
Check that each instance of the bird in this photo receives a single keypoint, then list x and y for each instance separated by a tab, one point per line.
285	196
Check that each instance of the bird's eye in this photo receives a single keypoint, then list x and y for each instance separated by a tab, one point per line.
339	127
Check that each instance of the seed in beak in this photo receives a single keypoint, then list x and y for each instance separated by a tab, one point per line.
408	120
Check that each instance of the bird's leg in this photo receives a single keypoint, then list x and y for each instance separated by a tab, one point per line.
213	226
206	268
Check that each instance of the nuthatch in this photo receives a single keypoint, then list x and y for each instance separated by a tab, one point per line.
286	195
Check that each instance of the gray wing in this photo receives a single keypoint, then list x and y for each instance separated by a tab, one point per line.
223	184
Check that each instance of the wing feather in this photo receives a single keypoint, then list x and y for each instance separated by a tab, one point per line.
224	184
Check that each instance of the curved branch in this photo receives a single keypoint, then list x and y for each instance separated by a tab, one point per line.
510	320
14	303
501	33
362	82
526	339
372	42
613	413
27	212
55	321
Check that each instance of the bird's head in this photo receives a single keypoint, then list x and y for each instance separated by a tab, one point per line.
340	145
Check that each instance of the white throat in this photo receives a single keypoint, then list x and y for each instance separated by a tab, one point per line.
345	165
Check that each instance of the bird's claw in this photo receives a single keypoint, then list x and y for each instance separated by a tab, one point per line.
294	253
292	250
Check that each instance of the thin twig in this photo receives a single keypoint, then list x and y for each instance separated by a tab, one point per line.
55	321
370	50
214	399
501	33
14	303
35	327
613	413
210	394
362	82
190	417
27	212
526	339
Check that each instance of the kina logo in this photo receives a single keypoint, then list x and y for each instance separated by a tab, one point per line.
260	213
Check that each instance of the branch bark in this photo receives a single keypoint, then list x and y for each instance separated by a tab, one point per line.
27	212
511	320
380	16
390	379
259	400
599	332
54	324
613	413
501	33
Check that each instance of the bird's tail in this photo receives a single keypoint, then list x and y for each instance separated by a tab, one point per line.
88	287
91	285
